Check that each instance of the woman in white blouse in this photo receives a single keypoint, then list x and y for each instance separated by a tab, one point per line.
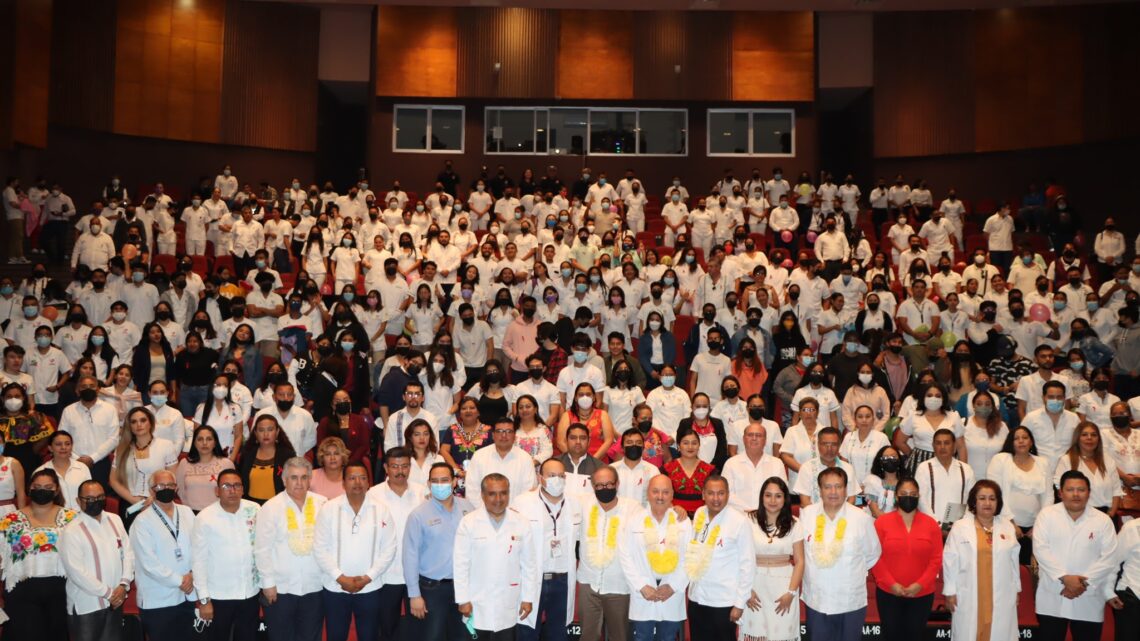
915	436
815	388
68	470
138	456
773	608
862	444
1095	405
223	414
1086	454
799	444
1026	484
985	434
423	318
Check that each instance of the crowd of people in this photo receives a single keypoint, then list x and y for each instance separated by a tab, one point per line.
506	406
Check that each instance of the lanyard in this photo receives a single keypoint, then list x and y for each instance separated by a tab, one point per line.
554	517
162	517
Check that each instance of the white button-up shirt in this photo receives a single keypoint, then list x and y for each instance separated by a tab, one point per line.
948	486
399	507
277	564
609	579
632	552
299	426
728	580
223	552
1051	440
843	586
807	481
1128	554
97	558
633	483
745	478
162	546
95	429
355	543
1085	546
495	568
517	466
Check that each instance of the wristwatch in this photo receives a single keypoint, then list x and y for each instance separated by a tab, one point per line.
204	601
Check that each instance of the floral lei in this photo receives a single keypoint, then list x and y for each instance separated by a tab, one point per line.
698	556
600	553
301	539
663	553
827	554
461	441
251	525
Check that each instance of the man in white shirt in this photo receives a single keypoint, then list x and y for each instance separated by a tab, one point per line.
554	519
634	472
224	565
502	458
94	425
197	219
1052	425
849	196
898	196
264	306
835	575
721	584
140	296
226	183
998	229
806	483
122	334
355	546
954	211
579	371
603	592
832	248
99	566
1125	602
944	482
93	249
398	421
917	317
248	237
1075	548
938	233
479	204
400	497
747	471
296	422
161	544
1031	388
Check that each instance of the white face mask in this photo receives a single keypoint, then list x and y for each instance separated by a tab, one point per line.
654	325
585	402
220	391
118	316
437	367
555	486
933	403
866	378
13	404
700	413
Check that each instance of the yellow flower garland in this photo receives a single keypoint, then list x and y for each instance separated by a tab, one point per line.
663	553
827	554
698	556
600	553
301	540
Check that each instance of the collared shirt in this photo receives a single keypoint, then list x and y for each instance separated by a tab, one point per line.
495	568
1063	546
843	586
97	558
517	466
399	507
807	481
1128	554
940	487
291	571
298	426
607	579
429	540
555	526
633	483
161	543
728	580
222	551
745	479
354	543
95	429
1051	440
635	563
398	421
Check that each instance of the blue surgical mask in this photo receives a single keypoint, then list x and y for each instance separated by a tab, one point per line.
43	341
668	380
347	345
441	491
602	182
1058	305
580	357
98	341
260	263
668	280
551	224
982	386
31	310
1054	406
567	272
158	400
138	277
852	347
348	296
807	361
1093	306
581	288
6	290
1027	260
1077	365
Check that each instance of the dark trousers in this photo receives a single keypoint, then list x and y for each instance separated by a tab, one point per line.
1001	260
392	598
1126	619
38	610
341	609
878	217
442	622
501	635
101	625
847	626
175	623
281	261
552	605
1125	386
903	618
804	212
295	618
237	617
243	265
53	239
831	269
1025	556
1054	629
101	471
518	377
711	624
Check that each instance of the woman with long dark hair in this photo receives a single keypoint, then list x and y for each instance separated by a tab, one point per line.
197	473
153	360
774	610
263	459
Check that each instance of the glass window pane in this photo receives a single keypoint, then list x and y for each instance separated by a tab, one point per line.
771	132
567	133
411	128
613	132
662	132
540	130
490	143
728	132
516	130
446	129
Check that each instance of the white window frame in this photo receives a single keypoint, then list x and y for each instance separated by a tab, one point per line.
462	128
589	129
751	132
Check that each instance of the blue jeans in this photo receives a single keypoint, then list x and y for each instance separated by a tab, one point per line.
341	608
656	630
442	622
190	397
552	603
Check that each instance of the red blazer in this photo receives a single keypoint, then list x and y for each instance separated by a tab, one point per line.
908	557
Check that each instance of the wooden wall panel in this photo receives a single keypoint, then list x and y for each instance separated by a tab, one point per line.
660	44
416	51
168	71
1030	78
269	76
595	58
32	72
708	68
83	63
1110	55
924	84
523	41
773	56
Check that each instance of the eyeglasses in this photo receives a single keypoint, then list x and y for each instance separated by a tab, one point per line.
166	486
808	410
231	487
93	499
604	486
503	431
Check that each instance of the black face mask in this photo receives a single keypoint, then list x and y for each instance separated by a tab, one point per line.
414	370
747	353
528	313
730	392
88	395
390	271
1017	312
495	377
94	508
165	495
644	426
622	376
536	373
756	413
343	408
709	316
890	465
874	307
815	378
284	406
468	320
1121	422
907	504
896	349
606	495
633	452
754	322
41	496
165	316
989	317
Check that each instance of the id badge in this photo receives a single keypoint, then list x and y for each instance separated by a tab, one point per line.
178	553
555	548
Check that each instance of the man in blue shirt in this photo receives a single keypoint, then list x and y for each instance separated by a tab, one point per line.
429	542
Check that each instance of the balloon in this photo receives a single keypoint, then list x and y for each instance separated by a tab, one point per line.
787	264
786	236
960	266
949	340
1039	312
50	313
130	252
613	209
811	236
922	328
